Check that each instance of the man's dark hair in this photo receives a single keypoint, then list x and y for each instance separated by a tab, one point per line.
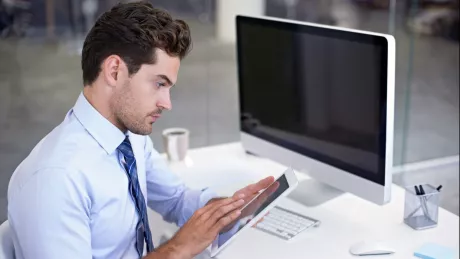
133	31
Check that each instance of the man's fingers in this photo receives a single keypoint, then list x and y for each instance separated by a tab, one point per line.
209	210
262	184
264	196
224	210
266	181
225	221
272	188
256	187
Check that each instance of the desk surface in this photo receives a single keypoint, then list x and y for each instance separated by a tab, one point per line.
345	220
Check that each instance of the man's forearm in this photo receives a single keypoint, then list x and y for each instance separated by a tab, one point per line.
167	251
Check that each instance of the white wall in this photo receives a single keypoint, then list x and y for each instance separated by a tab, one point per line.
227	11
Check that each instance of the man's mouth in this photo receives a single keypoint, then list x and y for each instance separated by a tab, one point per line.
155	116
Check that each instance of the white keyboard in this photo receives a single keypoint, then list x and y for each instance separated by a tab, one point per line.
285	224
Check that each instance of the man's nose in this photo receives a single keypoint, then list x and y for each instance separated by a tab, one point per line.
165	101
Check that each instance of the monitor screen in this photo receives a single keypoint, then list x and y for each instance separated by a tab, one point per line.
318	92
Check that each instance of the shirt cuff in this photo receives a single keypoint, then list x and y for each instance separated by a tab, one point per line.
205	196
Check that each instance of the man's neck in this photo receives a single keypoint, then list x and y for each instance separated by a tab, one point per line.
99	98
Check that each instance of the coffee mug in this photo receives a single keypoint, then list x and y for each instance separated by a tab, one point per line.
176	141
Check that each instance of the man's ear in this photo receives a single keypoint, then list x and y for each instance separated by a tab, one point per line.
112	69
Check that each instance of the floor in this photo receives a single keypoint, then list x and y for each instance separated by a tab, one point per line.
40	81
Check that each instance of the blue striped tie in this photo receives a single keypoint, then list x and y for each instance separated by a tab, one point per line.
136	194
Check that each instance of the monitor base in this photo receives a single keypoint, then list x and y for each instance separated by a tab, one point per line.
312	193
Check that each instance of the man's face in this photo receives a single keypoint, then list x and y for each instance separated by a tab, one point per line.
139	100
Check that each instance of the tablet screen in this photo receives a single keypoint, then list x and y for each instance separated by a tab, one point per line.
255	207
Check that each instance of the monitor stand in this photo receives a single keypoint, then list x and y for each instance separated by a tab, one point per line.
312	193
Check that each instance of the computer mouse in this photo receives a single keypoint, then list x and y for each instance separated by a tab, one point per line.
371	248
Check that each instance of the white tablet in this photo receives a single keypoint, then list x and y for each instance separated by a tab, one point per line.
257	208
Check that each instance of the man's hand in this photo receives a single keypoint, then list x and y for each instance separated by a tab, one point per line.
259	201
201	229
252	190
206	223
249	193
255	205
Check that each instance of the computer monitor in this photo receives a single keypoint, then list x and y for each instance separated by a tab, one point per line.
320	99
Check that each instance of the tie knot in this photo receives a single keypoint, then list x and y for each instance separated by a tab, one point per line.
125	148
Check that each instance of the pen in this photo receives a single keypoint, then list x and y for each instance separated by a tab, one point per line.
424	200
417	192
422	192
425	208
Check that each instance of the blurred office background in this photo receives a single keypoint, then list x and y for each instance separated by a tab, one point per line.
40	75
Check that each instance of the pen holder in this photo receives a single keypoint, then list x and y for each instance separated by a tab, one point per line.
421	211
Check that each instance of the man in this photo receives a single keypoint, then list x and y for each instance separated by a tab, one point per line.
84	189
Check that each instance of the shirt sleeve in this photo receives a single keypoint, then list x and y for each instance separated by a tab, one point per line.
167	194
49	216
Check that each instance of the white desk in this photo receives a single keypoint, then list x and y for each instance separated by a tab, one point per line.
345	220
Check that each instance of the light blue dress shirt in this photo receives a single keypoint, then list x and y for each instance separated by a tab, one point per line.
69	198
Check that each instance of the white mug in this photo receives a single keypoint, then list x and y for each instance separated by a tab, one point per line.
176	142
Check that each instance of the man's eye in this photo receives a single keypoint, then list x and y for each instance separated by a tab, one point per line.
160	84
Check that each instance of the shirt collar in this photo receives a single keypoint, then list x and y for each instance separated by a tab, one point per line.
103	131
